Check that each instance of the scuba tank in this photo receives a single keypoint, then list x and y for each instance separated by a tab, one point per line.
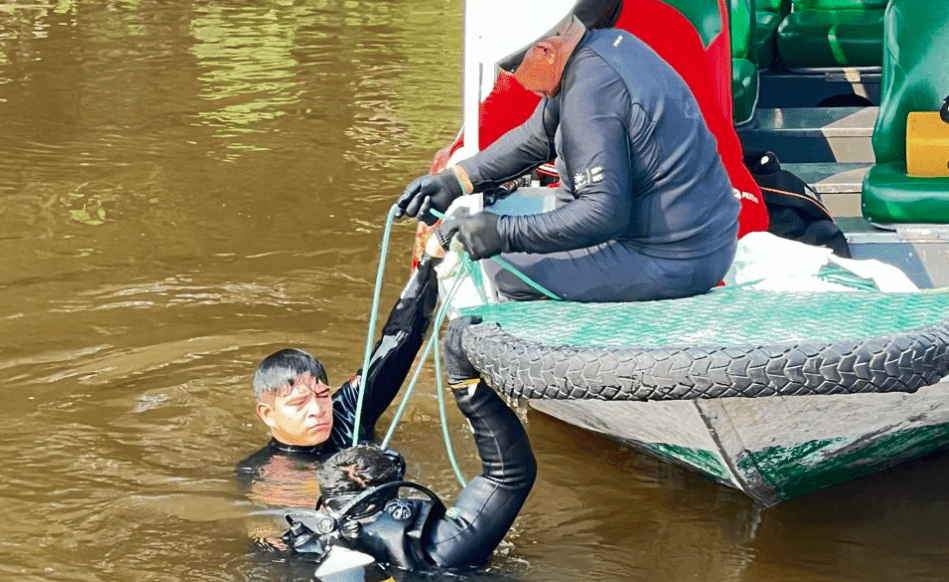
345	552
342	564
335	562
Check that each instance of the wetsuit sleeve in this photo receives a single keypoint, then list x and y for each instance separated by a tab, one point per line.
595	124
391	358
487	506
518	151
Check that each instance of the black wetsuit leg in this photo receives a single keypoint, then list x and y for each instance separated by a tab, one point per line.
612	271
486	508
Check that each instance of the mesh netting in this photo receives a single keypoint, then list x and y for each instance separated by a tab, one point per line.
722	317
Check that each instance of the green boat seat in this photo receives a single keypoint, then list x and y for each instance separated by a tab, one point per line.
890	196
768	16
744	60
704	16
915	78
832	33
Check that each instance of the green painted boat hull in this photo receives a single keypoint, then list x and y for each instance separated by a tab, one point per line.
774	449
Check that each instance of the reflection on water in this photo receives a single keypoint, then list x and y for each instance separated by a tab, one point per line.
246	55
187	187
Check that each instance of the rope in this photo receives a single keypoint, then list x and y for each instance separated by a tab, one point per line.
432	341
509	268
840	276
467	267
440	391
371	333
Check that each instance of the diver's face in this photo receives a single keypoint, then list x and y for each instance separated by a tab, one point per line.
300	413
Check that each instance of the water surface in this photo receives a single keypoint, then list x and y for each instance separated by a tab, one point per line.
189	186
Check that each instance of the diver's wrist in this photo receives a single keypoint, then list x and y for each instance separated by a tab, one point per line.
463	179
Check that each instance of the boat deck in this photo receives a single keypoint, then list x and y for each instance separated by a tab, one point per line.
812	134
838	183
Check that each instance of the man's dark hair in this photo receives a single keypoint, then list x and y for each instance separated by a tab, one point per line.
598	13
280	368
358	468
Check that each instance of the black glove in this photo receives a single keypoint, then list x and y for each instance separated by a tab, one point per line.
436	191
457	365
477	233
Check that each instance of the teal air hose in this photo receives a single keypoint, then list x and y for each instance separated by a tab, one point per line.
432	342
373	315
511	269
467	266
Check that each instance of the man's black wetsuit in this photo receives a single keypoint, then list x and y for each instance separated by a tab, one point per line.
649	210
390	363
416	534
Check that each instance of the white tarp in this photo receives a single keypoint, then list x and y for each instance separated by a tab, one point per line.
768	262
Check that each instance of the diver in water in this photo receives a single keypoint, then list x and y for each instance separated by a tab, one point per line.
362	522
306	423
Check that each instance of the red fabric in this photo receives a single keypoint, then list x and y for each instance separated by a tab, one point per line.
707	72
508	105
673	37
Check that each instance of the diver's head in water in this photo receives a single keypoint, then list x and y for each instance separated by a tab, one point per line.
293	398
357	469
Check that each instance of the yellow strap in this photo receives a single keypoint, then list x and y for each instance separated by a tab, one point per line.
464	384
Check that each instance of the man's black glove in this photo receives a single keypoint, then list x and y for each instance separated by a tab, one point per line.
436	191
477	233
457	366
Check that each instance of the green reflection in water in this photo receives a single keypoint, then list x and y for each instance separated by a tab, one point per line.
65	6
249	66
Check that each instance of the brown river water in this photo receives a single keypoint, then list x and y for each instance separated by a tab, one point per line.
188	186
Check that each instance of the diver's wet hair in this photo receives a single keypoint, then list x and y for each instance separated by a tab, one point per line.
358	468
280	368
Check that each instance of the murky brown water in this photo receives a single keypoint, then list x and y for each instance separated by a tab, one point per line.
188	186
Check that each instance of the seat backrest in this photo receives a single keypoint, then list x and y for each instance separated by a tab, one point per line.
839	4
915	74
777	6
704	16
742	27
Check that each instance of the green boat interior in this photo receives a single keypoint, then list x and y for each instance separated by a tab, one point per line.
830	90
745	59
832	33
915	79
827	85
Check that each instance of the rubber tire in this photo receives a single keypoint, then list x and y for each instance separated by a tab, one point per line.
902	362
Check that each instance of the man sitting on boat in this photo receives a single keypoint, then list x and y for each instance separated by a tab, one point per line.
360	511
646	207
306	423
664	29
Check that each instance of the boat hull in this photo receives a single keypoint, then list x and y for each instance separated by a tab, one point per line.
774	448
